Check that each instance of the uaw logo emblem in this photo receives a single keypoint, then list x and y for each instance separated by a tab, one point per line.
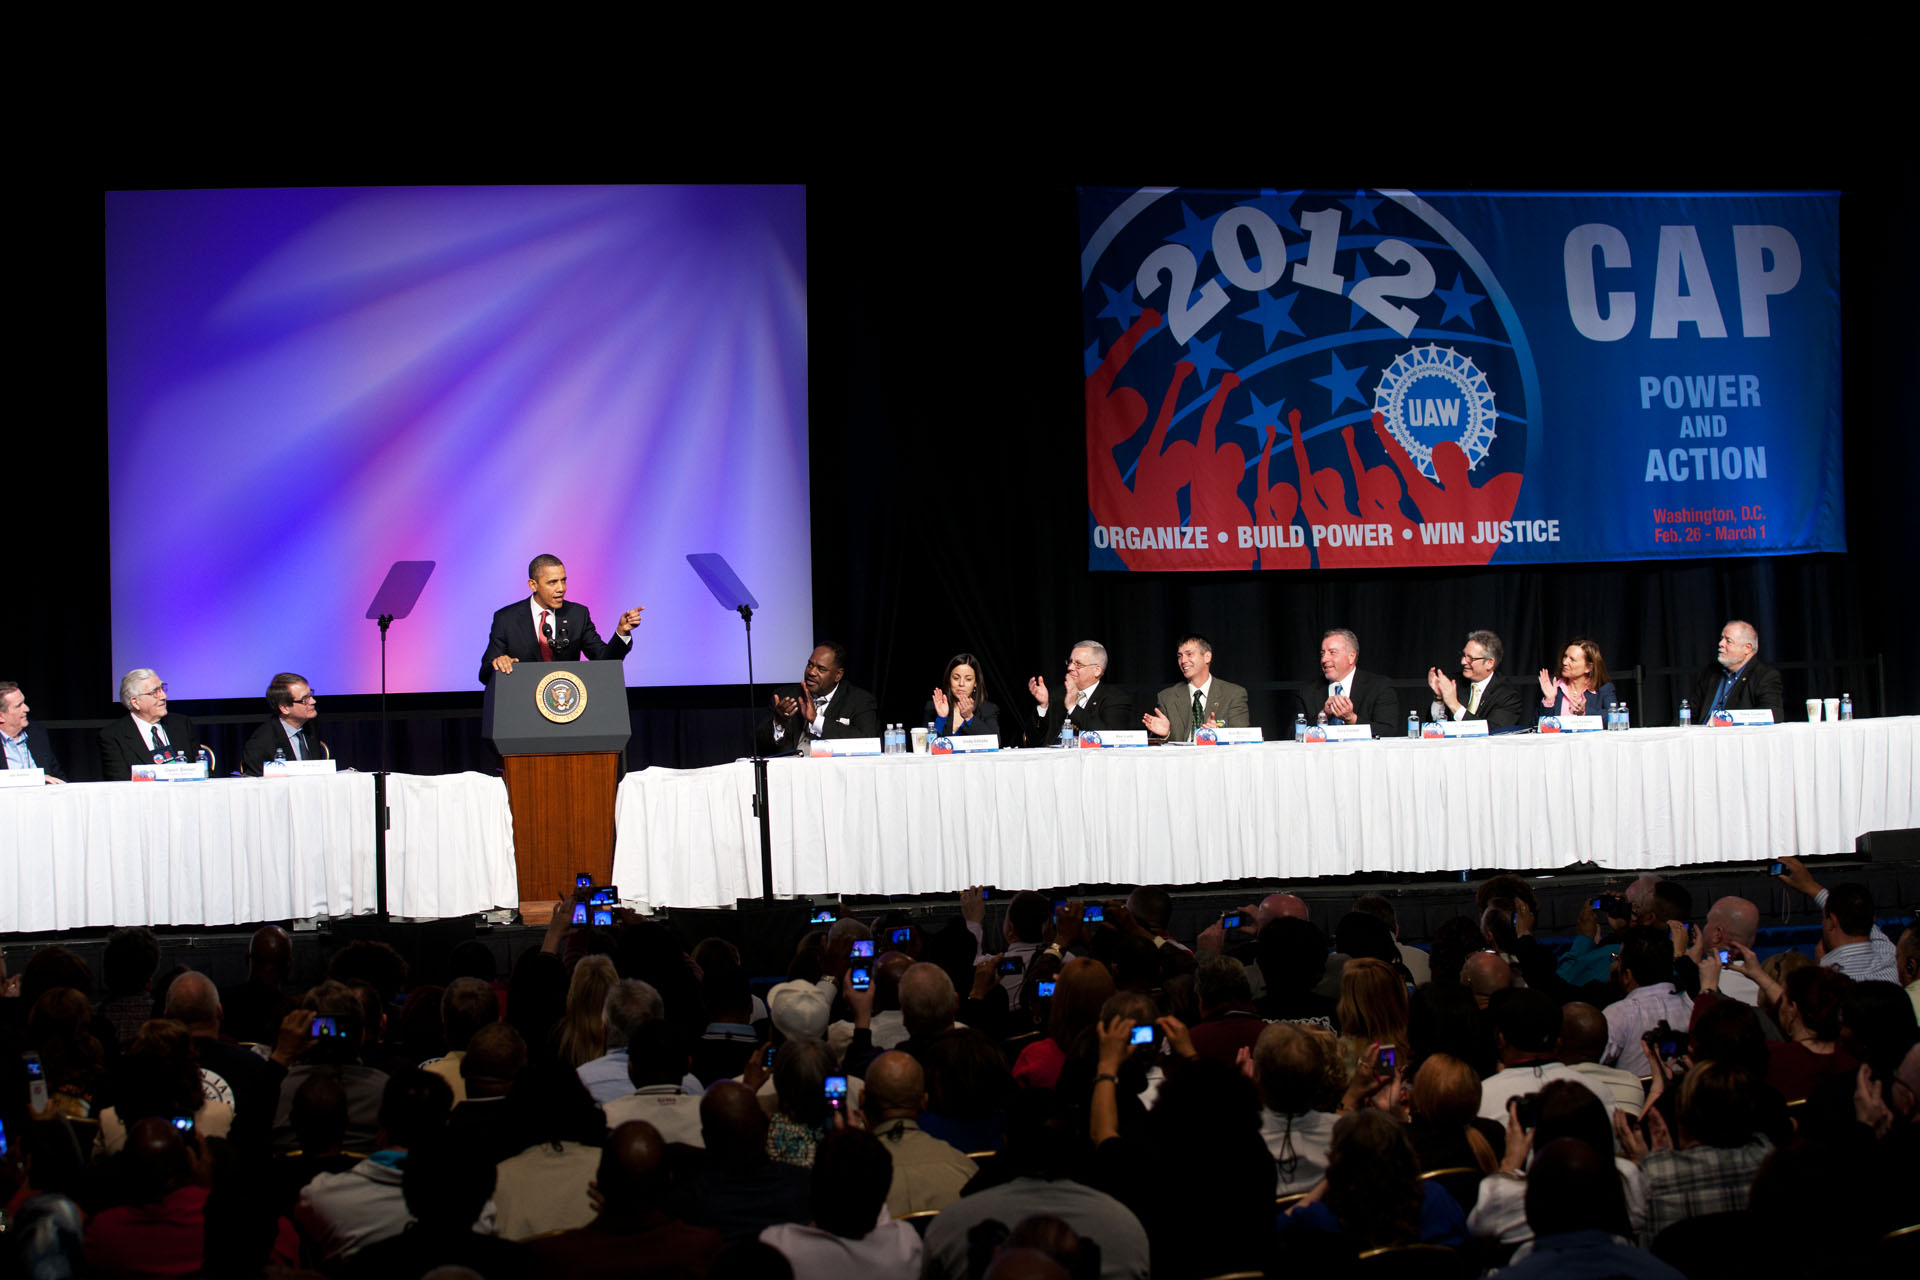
1549	724
941	747
560	697
1205	737
1090	738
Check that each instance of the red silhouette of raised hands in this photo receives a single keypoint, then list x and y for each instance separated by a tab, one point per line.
1277	507
1454	498
1213	499
1113	415
1376	488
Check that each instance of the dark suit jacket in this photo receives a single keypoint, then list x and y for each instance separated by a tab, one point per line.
851	713
1111	707
1757	685
122	747
985	722
512	636
40	747
1226	703
1374	701
271	737
1502	705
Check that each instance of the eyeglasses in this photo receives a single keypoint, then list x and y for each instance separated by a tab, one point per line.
1075	662
304	702
1467	657
159	688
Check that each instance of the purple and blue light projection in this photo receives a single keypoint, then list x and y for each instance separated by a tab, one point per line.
307	385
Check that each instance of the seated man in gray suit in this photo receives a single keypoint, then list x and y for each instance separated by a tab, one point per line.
1201	700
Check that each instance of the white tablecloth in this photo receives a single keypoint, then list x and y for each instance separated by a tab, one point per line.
1644	799
235	850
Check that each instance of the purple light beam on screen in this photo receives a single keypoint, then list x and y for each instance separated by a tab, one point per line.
307	385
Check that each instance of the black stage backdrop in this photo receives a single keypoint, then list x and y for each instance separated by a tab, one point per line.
949	482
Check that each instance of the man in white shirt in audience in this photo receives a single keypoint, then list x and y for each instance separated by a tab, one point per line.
1646	971
1854	943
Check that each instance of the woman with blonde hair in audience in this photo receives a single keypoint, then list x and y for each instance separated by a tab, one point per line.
1372	1010
583	1029
1446	1127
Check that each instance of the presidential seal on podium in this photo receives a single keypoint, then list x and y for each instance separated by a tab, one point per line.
560	697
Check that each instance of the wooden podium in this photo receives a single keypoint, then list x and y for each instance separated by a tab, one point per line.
560	727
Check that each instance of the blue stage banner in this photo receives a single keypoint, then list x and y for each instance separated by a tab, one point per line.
1298	379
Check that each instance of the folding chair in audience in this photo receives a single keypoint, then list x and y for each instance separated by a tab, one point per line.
1412	1261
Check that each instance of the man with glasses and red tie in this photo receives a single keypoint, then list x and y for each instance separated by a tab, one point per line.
1085	700
1480	693
286	731
147	734
547	627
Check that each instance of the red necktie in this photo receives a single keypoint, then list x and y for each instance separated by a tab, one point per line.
546	650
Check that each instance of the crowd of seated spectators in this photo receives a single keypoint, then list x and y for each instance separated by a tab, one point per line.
1079	1094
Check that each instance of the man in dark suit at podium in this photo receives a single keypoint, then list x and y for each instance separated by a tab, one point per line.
547	627
147	732
823	705
286	731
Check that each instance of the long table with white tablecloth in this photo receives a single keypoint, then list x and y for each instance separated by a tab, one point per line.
234	850
905	824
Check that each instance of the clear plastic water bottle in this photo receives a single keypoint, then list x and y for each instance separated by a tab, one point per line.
1846	706
1066	733
279	756
1686	715
1626	717
899	739
1413	724
1613	718
1323	718
1300	726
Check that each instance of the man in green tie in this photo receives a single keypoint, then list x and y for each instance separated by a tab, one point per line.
1200	700
1480	693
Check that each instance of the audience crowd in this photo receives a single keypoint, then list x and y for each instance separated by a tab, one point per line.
1078	1093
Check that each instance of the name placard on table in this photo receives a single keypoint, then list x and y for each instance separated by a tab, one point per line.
1221	736
176	771
826	748
1736	718
1454	729
966	744
1096	739
23	777
1572	724
295	768
1338	733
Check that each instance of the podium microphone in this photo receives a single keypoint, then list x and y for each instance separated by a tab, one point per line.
546	630
563	632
